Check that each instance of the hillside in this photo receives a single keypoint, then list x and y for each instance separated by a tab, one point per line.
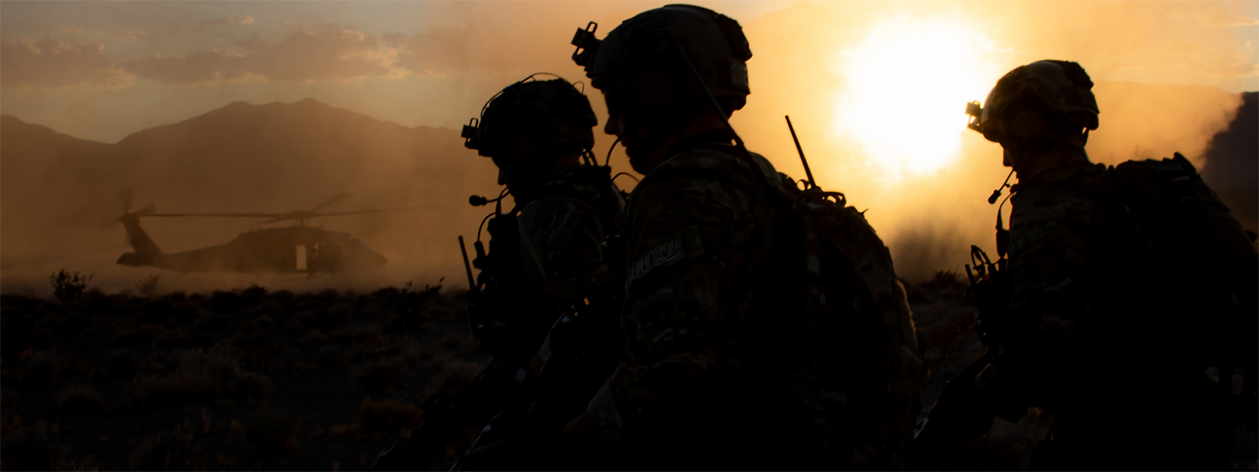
239	158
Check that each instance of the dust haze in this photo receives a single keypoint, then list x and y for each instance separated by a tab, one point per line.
384	126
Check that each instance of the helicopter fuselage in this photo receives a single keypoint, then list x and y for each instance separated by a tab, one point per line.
294	249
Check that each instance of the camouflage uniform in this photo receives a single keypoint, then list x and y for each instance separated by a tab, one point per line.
1097	344
544	255
713	377
562	232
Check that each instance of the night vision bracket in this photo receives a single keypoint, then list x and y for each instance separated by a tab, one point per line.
586	44
469	134
976	112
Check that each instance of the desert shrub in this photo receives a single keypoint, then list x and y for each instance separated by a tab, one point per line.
66	324
148	286
29	452
378	376
143	334
80	400
329	357
202	377
19	332
388	417
453	374
354	333
155	312
948	279
68	286
326	318
210	321
453	340
274	432
8	399
226	301
165	451
42	367
254	293
119	363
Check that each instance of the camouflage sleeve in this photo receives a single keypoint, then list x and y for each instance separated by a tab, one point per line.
697	228
1051	228
560	247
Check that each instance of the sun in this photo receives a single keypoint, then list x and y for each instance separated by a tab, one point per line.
905	90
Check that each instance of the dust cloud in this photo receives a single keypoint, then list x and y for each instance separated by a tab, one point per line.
276	157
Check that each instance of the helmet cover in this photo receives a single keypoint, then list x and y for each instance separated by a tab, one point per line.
533	119
1061	88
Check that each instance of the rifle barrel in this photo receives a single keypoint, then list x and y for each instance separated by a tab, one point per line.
808	173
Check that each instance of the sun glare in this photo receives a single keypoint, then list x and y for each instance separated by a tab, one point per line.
905	90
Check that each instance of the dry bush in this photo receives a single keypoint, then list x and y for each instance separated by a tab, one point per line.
140	335
80	400
330	357
68	286
452	340
326	318
380	375
32	452
202	377
274	432
41	367
119	363
389	417
8	399
354	333
453	374
208	321
149	285
166	451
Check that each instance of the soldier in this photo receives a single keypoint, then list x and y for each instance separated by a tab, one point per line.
1127	283
550	247
723	367
556	253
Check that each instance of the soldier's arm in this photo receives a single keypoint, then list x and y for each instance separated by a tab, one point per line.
694	234
561	247
1052	230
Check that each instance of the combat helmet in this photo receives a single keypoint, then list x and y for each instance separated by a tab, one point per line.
711	42
1060	87
530	120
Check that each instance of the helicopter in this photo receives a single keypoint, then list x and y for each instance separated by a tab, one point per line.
298	249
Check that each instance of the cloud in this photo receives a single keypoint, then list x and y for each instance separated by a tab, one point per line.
327	52
52	63
240	20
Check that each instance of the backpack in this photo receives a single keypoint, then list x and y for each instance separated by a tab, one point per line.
854	299
1172	231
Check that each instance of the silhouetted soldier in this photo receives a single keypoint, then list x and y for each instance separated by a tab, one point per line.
726	366
550	248
1127	283
548	296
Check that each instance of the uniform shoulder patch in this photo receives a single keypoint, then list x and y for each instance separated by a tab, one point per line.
1048	230
680	246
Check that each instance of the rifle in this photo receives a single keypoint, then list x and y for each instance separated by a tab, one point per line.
444	415
962	413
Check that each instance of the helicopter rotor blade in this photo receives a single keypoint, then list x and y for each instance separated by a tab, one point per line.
148	210
217	215
379	210
331	201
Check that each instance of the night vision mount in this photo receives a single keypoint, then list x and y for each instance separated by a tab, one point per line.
469	134
586	44
976	111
